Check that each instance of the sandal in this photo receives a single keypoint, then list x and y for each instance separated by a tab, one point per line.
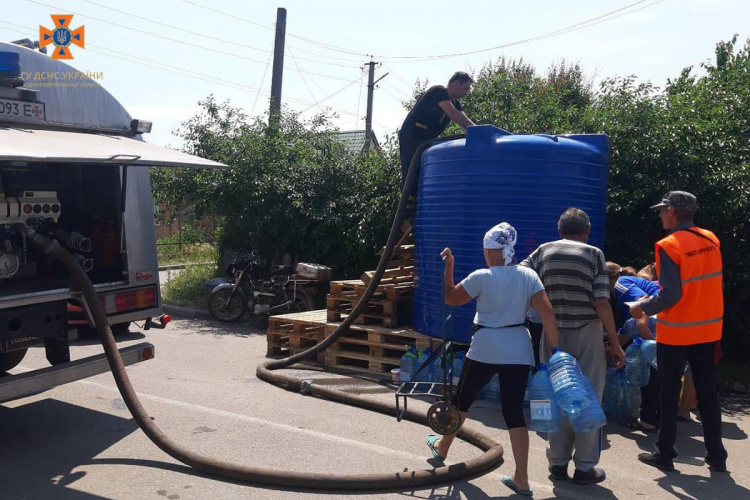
431	439
636	425
508	481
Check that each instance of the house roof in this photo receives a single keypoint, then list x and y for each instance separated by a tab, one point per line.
354	140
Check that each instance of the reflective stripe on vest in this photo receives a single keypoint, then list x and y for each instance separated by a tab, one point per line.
690	323
703	277
698	316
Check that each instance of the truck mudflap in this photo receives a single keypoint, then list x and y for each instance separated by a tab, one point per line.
33	382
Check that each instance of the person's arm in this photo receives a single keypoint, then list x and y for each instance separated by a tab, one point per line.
455	295
455	115
541	303
643	328
670	293
604	311
604	308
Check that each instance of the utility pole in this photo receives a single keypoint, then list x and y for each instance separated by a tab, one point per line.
278	68
370	90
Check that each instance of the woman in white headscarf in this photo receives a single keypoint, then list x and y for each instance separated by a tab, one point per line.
500	344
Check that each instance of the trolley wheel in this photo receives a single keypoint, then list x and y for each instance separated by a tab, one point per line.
443	418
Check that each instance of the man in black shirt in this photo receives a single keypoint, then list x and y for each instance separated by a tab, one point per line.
431	115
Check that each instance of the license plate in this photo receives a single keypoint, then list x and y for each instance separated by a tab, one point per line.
11	109
19	343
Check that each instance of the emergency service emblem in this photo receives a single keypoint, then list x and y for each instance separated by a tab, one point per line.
61	37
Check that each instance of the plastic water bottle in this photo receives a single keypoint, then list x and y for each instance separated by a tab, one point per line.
424	375
407	364
545	413
492	389
635	366
567	382
648	351
436	370
592	417
527	395
616	399
630	328
458	366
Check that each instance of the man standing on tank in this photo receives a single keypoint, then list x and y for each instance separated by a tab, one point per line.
431	116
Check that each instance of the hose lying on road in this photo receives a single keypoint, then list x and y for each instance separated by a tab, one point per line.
490	459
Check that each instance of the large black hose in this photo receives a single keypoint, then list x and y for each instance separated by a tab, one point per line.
269	477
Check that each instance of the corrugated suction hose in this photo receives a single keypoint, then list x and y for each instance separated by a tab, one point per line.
257	476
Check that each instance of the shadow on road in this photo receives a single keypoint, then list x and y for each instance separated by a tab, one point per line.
43	442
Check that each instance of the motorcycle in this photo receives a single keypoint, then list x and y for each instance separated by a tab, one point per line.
279	293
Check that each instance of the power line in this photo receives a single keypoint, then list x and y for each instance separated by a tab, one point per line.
245	20
332	95
231	54
409	86
574	27
124	56
396	89
359	100
262	80
303	77
203	35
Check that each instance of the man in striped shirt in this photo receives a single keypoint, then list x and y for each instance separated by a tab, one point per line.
575	278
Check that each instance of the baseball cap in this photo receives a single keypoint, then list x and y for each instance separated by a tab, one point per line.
679	199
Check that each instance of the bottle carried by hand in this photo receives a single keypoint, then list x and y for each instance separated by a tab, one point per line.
567	382
545	413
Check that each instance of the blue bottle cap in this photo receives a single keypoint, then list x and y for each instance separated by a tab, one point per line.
541	367
556	349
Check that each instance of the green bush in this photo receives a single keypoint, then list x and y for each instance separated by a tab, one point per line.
186	289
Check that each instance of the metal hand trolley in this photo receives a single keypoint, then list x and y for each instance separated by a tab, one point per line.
442	416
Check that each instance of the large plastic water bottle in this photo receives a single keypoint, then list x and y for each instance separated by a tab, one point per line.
407	364
527	395
492	389
635	366
424	375
545	413
567	382
436	370
592	417
630	327
616	399
648	351
458	366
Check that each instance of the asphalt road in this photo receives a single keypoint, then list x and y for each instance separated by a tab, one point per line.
79	441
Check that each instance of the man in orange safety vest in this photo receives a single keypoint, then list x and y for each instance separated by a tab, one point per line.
689	309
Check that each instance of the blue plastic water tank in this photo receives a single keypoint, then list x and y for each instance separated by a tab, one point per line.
468	185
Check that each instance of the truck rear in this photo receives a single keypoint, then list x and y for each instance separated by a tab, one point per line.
74	166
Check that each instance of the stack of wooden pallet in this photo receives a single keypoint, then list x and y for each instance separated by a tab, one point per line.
292	333
391	304
371	349
380	335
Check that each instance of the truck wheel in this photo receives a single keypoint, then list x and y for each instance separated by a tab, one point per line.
9	360
225	308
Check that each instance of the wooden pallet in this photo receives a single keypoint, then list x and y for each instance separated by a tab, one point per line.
373	349
292	333
390	313
356	288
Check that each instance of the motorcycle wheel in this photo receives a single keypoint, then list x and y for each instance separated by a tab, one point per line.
223	309
301	303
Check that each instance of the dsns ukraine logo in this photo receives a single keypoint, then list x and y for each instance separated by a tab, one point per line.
61	37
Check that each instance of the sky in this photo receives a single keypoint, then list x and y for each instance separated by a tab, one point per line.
159	58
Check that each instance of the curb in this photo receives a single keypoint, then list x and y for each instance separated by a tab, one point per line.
186	312
173	267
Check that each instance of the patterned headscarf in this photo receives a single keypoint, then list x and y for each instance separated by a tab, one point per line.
502	236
